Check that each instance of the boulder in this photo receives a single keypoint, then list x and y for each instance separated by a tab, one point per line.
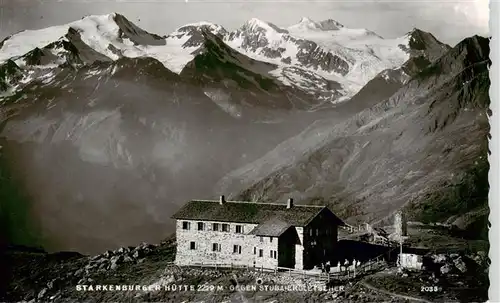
102	260
480	258
137	254
78	273
445	269
123	250
460	264
127	259
42	293
439	258
89	266
50	284
117	259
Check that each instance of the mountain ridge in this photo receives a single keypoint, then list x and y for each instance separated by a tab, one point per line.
148	123
124	38
288	165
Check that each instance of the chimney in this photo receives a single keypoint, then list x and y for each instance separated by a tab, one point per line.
289	204
222	200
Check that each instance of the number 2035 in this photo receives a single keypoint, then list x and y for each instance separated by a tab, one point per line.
430	288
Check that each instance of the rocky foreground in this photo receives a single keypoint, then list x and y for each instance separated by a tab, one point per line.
146	274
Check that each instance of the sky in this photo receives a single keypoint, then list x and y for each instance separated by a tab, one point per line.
449	21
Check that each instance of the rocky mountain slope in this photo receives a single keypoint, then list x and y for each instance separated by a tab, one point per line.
36	276
122	134
107	129
428	138
125	137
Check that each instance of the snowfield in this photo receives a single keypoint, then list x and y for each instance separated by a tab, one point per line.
365	53
99	32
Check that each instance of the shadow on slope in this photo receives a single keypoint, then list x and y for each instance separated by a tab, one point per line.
365	167
108	152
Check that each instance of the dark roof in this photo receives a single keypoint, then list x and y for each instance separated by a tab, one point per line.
271	228
249	212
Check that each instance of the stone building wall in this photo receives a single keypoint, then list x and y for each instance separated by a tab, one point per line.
204	240
265	243
299	249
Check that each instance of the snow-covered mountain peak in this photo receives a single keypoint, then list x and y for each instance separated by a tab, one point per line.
96	26
319	52
193	35
106	34
330	24
214	28
307	24
421	43
255	24
418	34
97	38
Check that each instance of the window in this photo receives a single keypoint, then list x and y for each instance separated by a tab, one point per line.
261	253
317	232
236	249
261	239
255	250
274	253
192	245
215	226
239	229
216	247
186	225
310	232
201	226
270	254
271	239
225	227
